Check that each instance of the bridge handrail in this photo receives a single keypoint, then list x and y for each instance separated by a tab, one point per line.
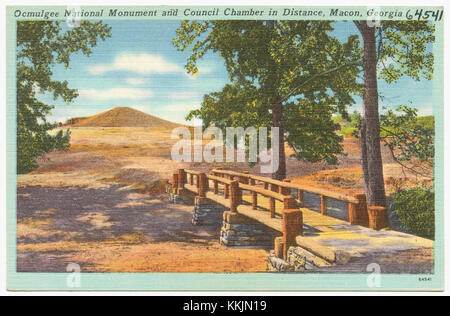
263	192
292	185
189	171
219	179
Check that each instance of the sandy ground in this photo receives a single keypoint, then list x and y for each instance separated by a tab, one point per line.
100	204
111	230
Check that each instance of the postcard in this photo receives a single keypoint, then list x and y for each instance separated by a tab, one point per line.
225	148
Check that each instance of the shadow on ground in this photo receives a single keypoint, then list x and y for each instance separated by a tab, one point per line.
82	215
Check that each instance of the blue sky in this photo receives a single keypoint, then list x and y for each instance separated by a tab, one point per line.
139	67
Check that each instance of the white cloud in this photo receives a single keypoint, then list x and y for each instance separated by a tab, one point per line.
115	94
426	110
136	81
181	107
172	112
137	63
184	95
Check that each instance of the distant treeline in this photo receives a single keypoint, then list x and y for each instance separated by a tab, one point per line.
348	127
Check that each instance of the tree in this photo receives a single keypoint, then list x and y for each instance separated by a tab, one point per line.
293	67
401	48
410	140
40	46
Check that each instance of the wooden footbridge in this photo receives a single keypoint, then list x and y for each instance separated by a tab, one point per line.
355	237
273	203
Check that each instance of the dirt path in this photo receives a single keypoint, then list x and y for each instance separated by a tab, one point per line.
112	230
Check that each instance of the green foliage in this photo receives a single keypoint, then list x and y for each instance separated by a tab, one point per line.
409	139
416	210
297	62
402	49
40	46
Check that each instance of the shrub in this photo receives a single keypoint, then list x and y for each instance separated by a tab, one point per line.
415	209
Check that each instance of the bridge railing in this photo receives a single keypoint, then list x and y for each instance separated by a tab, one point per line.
291	222
356	204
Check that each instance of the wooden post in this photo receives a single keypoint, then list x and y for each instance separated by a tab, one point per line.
226	191
274	187
198	181
357	213
254	196
363	213
300	196
174	182
292	226
289	203
378	218
266	186
191	179
272	207
216	186
203	184
323	205
284	190
181	178
352	213
244	179
234	195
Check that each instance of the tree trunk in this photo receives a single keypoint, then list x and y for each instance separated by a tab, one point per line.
362	144
277	121
370	127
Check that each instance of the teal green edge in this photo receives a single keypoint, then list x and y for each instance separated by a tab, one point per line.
209	281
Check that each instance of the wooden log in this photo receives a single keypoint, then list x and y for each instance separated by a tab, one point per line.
234	195
352	214
216	186
285	190
323	205
272	207
266	193
278	247
254	196
293	185
174	182
226	191
362	211
274	188
181	178
203	184
289	203
300	196
292	226
218	179
378	218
